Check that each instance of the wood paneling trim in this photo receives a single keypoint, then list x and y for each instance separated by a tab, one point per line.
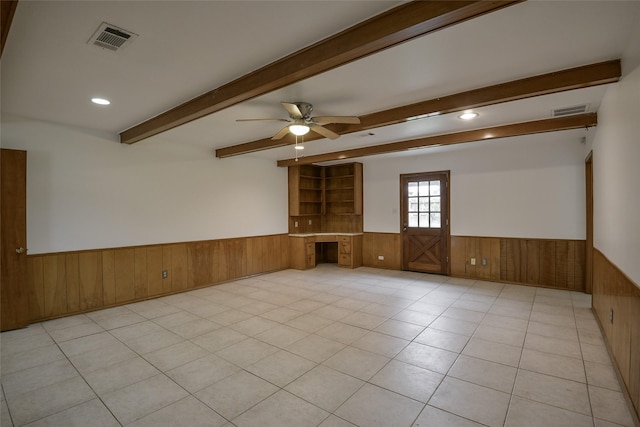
552	263
65	283
395	26
516	129
613	290
510	260
388	245
559	81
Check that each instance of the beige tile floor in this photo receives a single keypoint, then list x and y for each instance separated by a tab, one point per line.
325	347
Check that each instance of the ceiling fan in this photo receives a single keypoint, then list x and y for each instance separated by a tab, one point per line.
301	121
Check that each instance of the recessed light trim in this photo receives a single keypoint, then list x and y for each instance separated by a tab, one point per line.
468	115
100	101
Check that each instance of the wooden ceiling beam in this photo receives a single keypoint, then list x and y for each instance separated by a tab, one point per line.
559	81
517	129
395	26
7	10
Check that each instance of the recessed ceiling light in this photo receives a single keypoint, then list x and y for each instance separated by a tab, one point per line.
100	101
299	147
468	115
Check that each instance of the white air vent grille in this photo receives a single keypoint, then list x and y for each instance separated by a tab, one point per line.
111	37
568	111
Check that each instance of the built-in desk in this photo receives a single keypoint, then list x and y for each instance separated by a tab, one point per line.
303	249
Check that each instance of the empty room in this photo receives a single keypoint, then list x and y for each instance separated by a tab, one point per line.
320	213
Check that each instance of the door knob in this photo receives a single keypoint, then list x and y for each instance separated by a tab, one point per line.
20	250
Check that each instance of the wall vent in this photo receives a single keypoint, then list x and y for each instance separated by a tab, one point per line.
111	37
568	111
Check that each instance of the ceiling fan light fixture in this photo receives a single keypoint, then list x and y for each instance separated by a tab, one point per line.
299	129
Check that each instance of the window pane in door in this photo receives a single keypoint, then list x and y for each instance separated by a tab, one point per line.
413	204
424	188
424	220
424	204
413	220
412	189
434	189
435	220
435	204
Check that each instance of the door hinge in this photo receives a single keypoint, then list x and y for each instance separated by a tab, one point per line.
446	221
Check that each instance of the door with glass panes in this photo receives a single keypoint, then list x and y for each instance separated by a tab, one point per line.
424	207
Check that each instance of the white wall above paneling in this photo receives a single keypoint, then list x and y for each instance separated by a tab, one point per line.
518	187
87	191
616	168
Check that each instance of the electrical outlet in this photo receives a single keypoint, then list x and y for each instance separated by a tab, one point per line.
380	257
484	261
611	315
295	224
165	274
473	261
310	222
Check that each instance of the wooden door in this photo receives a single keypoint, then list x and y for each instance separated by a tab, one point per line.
425	222
13	229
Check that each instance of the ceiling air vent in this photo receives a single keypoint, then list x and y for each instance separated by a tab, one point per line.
568	111
111	37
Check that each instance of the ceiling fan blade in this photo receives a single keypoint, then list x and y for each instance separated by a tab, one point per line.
292	109
262	120
324	132
325	120
281	133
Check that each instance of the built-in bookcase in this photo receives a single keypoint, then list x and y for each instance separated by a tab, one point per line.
325	198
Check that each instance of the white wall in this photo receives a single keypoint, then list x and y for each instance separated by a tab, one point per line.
529	186
86	191
616	168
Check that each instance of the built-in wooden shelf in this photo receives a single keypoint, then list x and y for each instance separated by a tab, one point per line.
331	193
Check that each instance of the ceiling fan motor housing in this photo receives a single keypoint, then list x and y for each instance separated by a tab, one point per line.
305	110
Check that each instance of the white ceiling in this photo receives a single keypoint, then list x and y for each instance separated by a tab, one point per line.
185	48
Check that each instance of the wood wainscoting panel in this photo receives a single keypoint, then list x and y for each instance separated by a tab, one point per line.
266	253
614	291
200	263
533	261
124	260
178	267
141	284
548	262
458	256
73	282
151	266
463	249
235	259
65	283
90	273
388	245
562	249
35	286
108	277
55	284
543	262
